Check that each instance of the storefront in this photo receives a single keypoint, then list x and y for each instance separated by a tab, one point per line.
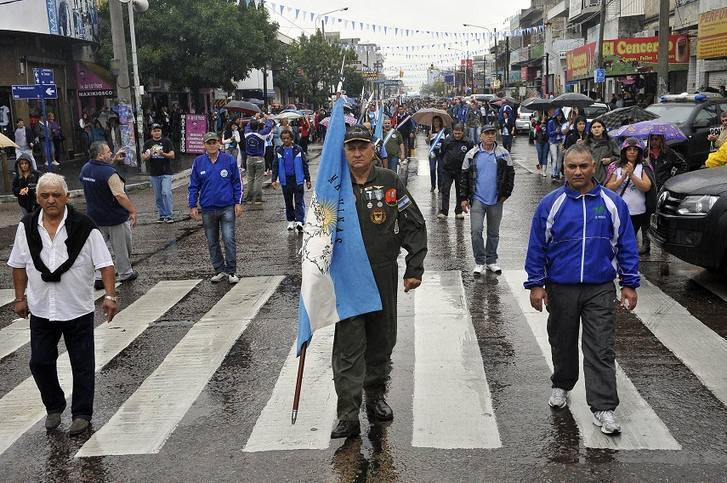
630	65
712	47
95	88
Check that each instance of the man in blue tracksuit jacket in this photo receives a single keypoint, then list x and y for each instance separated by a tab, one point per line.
215	186
581	240
255	140
291	167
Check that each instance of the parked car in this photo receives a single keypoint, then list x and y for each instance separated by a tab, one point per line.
695	114
522	121
690	221
591	112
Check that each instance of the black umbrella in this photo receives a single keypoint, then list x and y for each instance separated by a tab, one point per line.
625	115
243	106
572	99
537	104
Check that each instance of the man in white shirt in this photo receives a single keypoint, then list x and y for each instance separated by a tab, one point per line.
54	256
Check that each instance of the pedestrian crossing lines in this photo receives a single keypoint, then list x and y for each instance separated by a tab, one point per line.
148	417
21	408
17	334
7	295
642	428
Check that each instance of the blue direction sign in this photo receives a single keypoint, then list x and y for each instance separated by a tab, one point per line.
43	76
599	75
35	92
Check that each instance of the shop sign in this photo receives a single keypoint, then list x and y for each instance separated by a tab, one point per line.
100	93
627	57
92	77
712	34
195	127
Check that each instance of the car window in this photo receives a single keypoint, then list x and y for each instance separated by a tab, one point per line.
707	116
593	112
672	112
723	107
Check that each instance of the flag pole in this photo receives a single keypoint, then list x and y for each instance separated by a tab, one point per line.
298	383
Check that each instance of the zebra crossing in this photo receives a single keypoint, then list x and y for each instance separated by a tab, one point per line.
451	404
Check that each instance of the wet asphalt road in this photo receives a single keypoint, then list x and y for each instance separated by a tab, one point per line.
537	443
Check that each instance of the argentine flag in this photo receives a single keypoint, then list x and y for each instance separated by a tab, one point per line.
337	279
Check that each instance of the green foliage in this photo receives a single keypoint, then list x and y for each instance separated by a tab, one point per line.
197	44
437	89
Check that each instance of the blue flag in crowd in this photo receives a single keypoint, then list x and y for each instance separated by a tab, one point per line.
379	131
337	279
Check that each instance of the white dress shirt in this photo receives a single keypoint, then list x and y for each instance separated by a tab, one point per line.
72	297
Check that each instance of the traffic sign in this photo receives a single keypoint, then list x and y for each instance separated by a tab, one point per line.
599	75
43	76
49	91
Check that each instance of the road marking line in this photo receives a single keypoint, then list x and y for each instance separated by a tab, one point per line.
642	427
452	405
702	350
525	167
7	295
147	418
17	334
273	431
21	408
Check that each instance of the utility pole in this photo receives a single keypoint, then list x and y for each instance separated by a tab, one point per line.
599	58
662	86
118	40
507	62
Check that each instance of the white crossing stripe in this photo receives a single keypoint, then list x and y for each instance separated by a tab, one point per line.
7	295
145	420
17	334
641	427
452	402
702	350
312	430
22	407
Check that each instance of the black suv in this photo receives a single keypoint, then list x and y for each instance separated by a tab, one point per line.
695	114
691	218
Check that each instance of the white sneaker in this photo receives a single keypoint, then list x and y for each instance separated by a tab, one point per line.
441	216
606	420
543	173
558	398
291	225
299	226
233	278
478	269
218	278
459	216
494	268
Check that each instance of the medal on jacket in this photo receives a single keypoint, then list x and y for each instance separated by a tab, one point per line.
396	226
378	216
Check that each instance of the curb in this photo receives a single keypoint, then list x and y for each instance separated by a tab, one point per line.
78	193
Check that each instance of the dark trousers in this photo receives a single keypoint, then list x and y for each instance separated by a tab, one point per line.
593	305
447	179
78	337
293	191
304	144
435	171
641	222
269	155
362	348
507	142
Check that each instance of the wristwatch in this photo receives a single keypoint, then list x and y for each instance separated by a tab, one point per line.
111	298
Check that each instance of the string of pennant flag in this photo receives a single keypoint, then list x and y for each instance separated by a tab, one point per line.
295	13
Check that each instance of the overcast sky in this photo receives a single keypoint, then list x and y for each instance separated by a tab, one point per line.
439	15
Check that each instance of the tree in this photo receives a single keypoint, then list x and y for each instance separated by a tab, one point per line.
437	88
198	44
353	81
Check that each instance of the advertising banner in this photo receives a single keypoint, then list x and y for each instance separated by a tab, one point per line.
195	127
69	18
627	57
126	131
712	34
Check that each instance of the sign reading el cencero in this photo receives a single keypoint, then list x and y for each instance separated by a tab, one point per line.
627	57
712	34
68	18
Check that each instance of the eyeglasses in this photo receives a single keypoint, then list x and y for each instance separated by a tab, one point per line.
55	195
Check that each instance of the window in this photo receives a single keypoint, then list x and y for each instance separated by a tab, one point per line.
707	116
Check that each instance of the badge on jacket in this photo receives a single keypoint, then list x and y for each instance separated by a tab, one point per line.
378	216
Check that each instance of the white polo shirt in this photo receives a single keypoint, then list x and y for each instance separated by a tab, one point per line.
72	297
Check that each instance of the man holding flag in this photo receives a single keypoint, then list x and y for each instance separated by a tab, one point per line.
360	218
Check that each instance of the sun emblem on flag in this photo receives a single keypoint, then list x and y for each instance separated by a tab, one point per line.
317	240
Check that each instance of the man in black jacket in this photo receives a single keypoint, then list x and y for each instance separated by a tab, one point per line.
453	151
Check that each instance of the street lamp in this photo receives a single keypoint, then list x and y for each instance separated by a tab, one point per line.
138	6
323	24
484	56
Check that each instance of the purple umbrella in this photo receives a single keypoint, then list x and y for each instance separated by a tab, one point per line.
348	119
643	129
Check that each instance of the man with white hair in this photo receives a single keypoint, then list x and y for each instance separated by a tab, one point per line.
55	254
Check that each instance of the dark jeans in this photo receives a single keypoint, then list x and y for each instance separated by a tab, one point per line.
304	144
290	191
590	305
543	150
447	179
641	222
507	142
78	337
269	155
214	220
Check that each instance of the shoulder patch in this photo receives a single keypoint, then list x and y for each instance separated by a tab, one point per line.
404	203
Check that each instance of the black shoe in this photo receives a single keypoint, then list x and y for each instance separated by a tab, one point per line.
98	285
346	429
134	275
52	420
379	409
78	426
